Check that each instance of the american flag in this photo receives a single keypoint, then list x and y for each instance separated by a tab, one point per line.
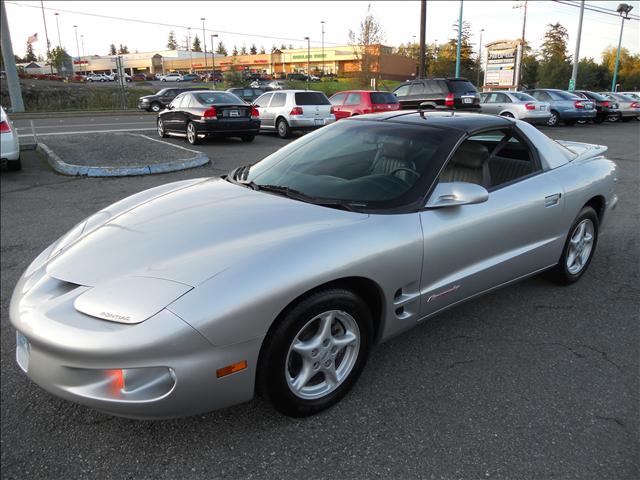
32	38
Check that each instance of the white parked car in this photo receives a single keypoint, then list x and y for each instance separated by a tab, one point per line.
172	77
100	77
9	143
158	76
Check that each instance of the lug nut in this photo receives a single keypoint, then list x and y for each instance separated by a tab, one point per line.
314	352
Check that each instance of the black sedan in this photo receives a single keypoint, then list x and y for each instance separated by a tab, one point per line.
605	108
206	113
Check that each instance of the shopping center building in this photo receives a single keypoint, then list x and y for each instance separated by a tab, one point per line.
341	60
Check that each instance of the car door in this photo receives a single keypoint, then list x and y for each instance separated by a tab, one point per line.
490	104
266	115
401	93
416	95
517	231
352	104
337	100
171	116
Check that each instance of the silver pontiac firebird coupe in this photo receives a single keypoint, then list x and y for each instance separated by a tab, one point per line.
280	277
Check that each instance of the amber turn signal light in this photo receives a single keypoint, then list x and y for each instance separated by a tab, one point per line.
233	368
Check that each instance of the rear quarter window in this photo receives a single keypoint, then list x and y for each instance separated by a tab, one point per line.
564	96
383	98
311	98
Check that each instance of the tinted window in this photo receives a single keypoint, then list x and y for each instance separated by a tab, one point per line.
217	98
311	98
502	98
338	99
402	91
175	103
315	164
353	99
279	100
522	96
564	95
595	96
383	97
417	89
263	101
186	101
460	86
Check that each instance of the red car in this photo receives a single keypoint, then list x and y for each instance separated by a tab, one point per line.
358	102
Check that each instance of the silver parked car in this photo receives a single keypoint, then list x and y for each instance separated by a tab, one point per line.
629	106
288	110
515	105
283	275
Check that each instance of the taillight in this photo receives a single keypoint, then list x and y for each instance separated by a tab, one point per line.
4	127
296	111
605	104
448	101
579	104
635	105
529	106
210	113
254	112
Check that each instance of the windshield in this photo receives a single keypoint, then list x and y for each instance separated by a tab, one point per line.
364	163
523	96
219	98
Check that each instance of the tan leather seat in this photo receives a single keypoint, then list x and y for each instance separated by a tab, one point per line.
391	156
469	164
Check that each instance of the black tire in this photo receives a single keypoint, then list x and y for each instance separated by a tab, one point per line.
283	129
248	138
160	128
560	273
613	118
14	165
192	138
272	364
163	79
156	107
554	119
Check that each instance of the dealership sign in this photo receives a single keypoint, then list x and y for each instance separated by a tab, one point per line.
501	62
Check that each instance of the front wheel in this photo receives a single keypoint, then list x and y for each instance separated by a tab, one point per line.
554	119
316	352
578	250
156	107
192	134
613	118
284	131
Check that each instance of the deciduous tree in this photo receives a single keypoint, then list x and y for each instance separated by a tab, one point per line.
365	43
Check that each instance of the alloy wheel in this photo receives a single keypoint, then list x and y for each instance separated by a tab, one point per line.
322	354
191	133
580	246
160	128
553	119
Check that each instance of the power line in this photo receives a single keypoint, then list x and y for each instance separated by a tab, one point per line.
595	8
123	19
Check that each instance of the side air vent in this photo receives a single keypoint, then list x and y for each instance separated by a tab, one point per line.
406	301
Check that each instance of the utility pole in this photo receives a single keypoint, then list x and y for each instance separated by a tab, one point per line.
46	34
323	66
576	57
84	65
58	25
308	55
623	9
423	34
459	42
213	60
189	48
77	47
13	83
204	44
524	26
479	58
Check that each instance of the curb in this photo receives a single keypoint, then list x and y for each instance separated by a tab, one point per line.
97	113
64	168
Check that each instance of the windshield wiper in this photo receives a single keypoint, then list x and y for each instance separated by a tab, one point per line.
297	195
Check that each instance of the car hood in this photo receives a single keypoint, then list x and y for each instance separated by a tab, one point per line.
190	234
148	97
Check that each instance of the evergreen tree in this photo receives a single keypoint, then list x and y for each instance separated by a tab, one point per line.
243	49
262	50
172	44
112	49
283	47
30	56
554	69
274	49
222	50
196	44
235	51
253	49
123	49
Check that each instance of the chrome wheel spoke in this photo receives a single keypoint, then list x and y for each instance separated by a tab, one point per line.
326	321
580	246
347	339
303	377
330	374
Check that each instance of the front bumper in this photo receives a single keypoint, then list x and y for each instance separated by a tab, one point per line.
309	123
172	367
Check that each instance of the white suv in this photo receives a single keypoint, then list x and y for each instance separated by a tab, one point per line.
172	77
286	110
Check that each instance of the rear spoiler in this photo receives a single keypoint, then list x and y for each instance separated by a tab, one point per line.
583	150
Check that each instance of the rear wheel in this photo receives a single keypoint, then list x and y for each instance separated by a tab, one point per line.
613	118
161	131
578	250
316	352
284	131
554	119
192	134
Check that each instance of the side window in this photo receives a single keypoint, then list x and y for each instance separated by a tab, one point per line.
169	94
491	159
337	99
502	98
263	101
186	101
492	98
402	91
175	103
417	89
353	99
279	100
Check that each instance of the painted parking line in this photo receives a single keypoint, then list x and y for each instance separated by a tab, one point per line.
89	131
82	125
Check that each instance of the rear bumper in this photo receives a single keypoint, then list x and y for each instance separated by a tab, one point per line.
578	114
302	123
238	126
9	146
537	120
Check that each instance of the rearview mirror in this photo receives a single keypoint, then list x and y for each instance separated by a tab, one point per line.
454	194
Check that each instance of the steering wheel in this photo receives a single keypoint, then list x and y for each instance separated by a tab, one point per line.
406	169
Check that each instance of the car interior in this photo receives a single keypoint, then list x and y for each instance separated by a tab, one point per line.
491	159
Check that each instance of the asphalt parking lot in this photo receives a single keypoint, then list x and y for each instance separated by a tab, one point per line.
534	381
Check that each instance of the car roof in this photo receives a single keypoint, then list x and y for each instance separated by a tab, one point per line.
466	122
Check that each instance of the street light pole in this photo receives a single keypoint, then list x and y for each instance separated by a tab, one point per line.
576	57
77	44
82	43
623	9
190	51
213	60
46	34
323	65
479	58
459	41
204	44
308	56
58	26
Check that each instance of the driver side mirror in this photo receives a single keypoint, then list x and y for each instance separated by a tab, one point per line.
454	194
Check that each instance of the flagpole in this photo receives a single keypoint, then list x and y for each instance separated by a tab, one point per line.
47	36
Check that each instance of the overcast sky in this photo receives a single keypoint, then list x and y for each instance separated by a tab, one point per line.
241	22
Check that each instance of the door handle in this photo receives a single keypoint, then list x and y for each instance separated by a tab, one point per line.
551	200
